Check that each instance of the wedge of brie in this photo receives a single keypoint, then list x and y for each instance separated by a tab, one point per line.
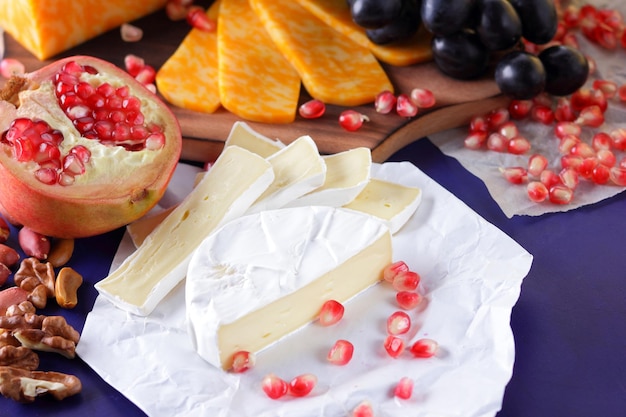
262	276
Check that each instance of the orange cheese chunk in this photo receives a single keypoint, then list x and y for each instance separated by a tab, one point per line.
333	68
47	28
188	79
256	82
336	13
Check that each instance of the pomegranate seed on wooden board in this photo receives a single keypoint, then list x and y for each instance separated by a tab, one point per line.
423	98
312	109
352	120
197	17
385	102
405	107
130	33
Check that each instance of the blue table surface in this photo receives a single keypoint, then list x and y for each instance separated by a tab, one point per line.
569	323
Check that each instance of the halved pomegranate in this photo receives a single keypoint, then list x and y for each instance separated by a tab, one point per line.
84	148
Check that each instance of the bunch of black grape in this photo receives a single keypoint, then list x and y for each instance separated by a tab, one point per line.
471	35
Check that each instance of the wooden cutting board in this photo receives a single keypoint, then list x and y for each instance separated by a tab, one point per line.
204	134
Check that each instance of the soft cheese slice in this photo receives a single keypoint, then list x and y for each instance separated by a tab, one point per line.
188	79
298	169
347	173
263	276
333	68
336	13
232	184
242	135
256	82
394	203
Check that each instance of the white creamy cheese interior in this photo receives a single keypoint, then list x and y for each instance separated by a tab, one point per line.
263	276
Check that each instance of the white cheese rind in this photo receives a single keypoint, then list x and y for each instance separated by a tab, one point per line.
264	258
242	135
298	169
347	173
232	184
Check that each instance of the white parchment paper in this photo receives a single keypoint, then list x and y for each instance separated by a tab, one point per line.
512	199
471	277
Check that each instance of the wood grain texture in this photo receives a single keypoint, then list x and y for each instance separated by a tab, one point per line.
204	134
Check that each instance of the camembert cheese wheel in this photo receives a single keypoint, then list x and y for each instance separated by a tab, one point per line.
263	276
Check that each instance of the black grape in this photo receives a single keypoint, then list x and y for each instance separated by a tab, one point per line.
372	14
402	27
520	75
460	55
539	19
446	17
566	68
499	26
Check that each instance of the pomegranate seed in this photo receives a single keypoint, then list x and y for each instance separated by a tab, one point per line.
518	145
408	300
73	165
571	16
583	149
621	91
599	99
312	109
352	120
405	107
341	352
424	348
549	178
423	98
497	117
606	157
520	109
601	140
363	409
564	111
10	67
133	64
175	11
242	361
404	388
479	124
560	194
565	128
394	346
617	175
580	99
570	39
509	130
393	269
302	385
385	102
618	139
571	161
47	175
146	75
569	178
23	149
622	163
536	164
331	312
542	99
406	281
537	191
475	140
542	114
585	169
515	175
609	88
591	116
567	143
197	17
600	174
66	179
497	143
274	387
130	33
398	323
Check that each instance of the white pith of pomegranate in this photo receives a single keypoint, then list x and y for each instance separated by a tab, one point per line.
85	150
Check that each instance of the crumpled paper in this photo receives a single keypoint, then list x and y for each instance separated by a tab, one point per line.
471	278
486	165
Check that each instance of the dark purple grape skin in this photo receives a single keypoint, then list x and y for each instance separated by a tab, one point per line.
446	17
566	68
373	14
499	26
460	55
520	75
403	27
539	19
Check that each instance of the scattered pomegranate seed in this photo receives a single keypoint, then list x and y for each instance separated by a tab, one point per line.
130	33
385	102
509	130
585	169
542	114
197	17
606	157
569	178
564	111
497	117
423	98
621	91
618	175
537	164
394	346
479	124
408	300
405	107
302	385
549	178
312	109
600	141
618	139
10	67
609	88
520	109
352	120
518	145
146	75
567	143
341	352
406	281
242	361
564	128
393	269
274	386
591	116
560	194
404	388
398	323
537	191
475	140
515	175
424	348
331	312
542	99
363	409
582	149
497	143
175	10
133	64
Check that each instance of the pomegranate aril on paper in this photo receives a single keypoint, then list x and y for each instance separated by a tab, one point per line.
406	281
520	109
331	313
393	269
243	361
312	109
537	164
404	388
398	323
424	348
408	300
340	353
591	116
515	175
537	191
352	120
302	385
617	175
274	386
394	346
363	409
560	194
518	145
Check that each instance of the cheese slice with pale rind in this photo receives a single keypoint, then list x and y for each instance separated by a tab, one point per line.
256	82
333	68
188	79
242	135
336	13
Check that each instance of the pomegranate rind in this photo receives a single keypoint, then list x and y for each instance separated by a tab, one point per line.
113	193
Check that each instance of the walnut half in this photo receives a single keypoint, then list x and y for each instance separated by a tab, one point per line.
24	386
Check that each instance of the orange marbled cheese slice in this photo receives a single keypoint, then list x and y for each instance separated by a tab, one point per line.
336	13
46	28
256	82
333	68
188	79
